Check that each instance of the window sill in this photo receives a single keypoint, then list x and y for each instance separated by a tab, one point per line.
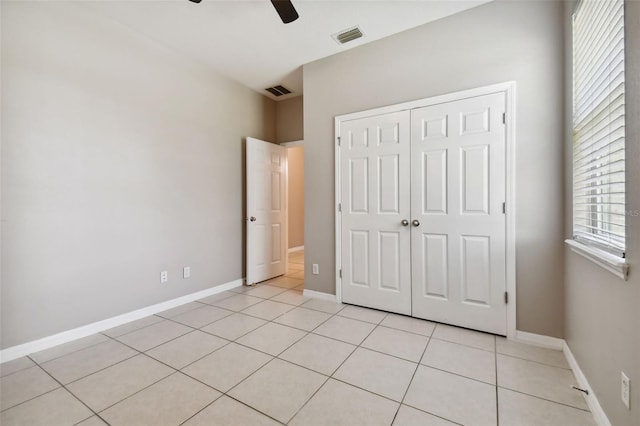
617	266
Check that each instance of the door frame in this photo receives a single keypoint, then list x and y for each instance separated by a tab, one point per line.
288	145
509	89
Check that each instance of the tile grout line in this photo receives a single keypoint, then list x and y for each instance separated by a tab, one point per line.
413	375
464	344
258	369
184	304
335	370
141	389
545	399
141	328
103	368
120	362
160	344
69	353
239	337
205	325
242	381
273	357
21	369
457	374
534	361
174	370
431	414
327	378
74	396
283	360
410	332
230	397
136	392
374	393
171	340
359	345
32	398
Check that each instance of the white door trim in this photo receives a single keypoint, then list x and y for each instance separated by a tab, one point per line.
509	89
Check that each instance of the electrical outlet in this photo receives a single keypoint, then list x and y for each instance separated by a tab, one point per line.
315	269
186	272
164	277
626	389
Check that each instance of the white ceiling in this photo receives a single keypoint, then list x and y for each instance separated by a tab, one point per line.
246	40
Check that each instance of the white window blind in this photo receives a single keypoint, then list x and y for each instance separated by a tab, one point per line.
598	125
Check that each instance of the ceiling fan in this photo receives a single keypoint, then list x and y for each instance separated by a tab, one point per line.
284	8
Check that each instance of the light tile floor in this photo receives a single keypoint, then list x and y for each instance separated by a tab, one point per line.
266	355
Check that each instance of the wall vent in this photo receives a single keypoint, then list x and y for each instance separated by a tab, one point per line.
278	90
348	35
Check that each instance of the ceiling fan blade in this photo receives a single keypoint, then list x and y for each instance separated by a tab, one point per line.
195	1
286	10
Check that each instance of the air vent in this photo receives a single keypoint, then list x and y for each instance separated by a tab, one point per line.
278	90
348	35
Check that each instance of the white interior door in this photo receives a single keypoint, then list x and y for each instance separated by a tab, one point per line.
266	210
375	201
458	188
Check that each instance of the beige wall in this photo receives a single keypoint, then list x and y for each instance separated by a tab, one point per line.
120	159
602	311
289	122
296	196
496	42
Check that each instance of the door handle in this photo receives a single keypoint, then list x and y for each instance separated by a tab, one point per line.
405	222
415	222
252	219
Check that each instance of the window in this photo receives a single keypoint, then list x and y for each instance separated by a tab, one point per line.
599	126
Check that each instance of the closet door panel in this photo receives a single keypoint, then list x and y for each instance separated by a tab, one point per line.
375	179
457	188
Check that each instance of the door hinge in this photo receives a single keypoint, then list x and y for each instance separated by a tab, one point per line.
506	298
504	118
339	207
340	273
339	140
504	208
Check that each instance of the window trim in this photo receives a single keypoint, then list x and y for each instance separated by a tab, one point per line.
618	266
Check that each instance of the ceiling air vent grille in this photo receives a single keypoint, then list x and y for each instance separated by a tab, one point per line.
348	35
278	90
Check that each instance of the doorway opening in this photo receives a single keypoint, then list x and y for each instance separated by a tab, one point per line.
295	197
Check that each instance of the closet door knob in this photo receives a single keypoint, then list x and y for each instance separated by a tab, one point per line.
415	222
405	222
252	219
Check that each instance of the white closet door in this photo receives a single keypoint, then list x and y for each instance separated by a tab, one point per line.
458	190
375	195
266	210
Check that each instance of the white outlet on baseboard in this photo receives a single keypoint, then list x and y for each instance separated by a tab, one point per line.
186	272
626	389
315	269
164	277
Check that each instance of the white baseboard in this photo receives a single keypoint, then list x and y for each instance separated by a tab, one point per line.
540	340
319	295
96	327
592	401
294	249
